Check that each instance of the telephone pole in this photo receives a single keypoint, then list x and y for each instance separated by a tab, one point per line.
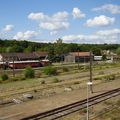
91	59
13	67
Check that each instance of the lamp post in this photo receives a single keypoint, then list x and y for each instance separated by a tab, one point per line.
88	84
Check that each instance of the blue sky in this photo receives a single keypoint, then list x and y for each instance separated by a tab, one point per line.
75	21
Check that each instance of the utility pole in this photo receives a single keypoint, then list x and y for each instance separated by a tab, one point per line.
91	59
3	65
13	68
88	85
78	60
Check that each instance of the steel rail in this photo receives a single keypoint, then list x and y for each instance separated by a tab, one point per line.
73	107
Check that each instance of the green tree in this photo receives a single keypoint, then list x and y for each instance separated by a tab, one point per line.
29	72
118	51
29	49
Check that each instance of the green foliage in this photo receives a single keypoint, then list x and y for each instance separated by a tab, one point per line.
118	51
104	57
65	69
22	78
28	49
54	49
29	73
106	77
4	77
49	70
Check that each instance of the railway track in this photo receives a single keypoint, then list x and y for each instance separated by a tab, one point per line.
73	107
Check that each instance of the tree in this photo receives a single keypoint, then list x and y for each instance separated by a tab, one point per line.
96	51
29	49
118	51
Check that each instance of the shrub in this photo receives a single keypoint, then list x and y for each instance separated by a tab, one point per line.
29	73
22	78
110	77
65	69
76	82
50	70
4	77
55	80
14	79
42	82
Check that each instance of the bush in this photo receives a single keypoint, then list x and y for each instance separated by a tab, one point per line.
14	79
4	77
42	82
76	82
65	69
22	78
110	77
29	73
50	70
55	80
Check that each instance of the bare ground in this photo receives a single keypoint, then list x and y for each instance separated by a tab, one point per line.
18	111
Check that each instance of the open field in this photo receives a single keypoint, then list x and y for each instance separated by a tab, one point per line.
53	94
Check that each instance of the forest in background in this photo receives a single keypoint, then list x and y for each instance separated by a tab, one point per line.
56	49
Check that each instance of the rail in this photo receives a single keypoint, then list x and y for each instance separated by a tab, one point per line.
73	107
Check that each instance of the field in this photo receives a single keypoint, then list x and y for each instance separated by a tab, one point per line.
66	87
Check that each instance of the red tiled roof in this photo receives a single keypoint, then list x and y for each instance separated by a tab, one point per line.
80	54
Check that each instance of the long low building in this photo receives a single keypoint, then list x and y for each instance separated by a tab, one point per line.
75	57
22	56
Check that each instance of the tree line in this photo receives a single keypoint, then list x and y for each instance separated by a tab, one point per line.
54	49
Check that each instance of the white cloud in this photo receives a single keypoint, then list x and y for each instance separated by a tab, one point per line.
60	16
38	16
8	28
114	9
56	22
25	35
102	36
101	20
53	33
77	13
54	26
109	32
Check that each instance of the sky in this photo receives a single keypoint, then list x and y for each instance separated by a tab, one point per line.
74	21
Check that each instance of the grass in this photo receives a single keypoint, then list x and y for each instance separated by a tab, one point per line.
66	78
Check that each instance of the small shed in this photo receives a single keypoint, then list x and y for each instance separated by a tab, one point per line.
78	57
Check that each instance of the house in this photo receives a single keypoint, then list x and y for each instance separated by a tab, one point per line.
41	55
97	58
8	57
22	56
78	57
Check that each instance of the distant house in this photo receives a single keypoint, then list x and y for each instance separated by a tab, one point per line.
97	58
41	55
22	56
77	57
8	57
